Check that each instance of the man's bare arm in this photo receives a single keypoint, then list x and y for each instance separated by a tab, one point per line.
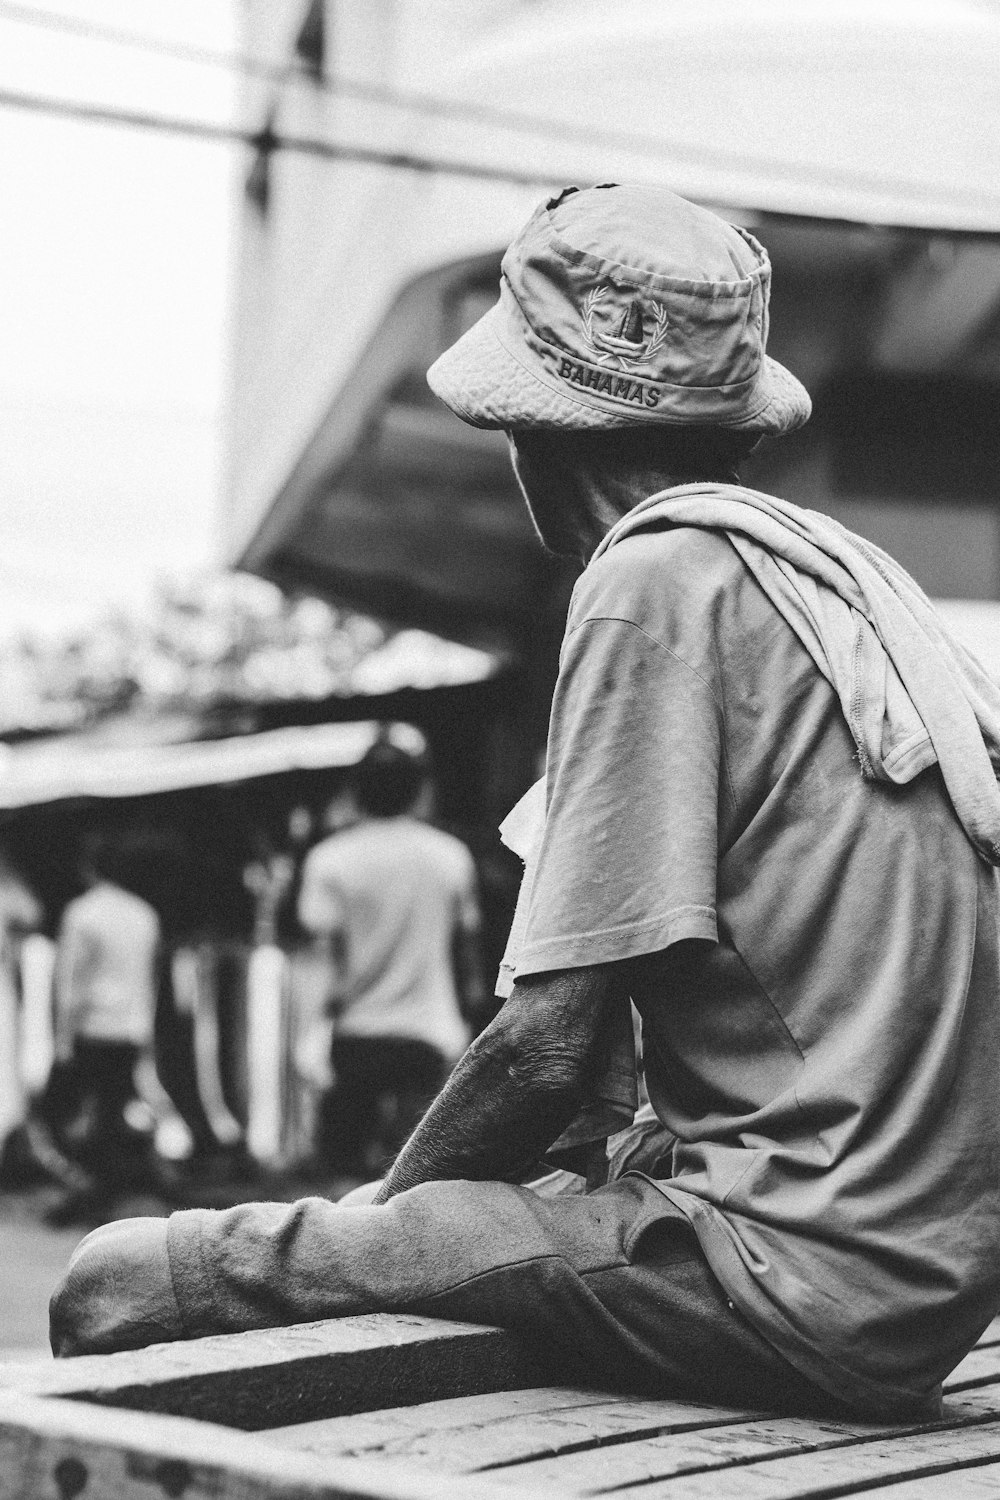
518	1086
507	1101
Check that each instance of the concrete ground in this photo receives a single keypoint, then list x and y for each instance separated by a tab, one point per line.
32	1259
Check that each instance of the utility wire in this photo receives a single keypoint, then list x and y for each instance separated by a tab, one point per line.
263	140
402	99
266	140
96	31
436	107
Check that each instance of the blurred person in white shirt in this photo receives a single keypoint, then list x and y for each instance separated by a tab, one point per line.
106	975
393	902
20	914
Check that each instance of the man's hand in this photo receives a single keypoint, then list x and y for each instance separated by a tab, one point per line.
517	1087
117	1292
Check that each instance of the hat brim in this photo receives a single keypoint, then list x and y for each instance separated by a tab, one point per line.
485	384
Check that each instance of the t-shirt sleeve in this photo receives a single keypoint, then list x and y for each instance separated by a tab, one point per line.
627	863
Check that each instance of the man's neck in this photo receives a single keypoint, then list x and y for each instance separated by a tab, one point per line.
575	495
608	497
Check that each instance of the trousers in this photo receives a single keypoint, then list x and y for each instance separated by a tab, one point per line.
608	1286
85	1099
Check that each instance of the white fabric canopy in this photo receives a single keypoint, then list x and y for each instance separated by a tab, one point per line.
68	767
877	111
129	758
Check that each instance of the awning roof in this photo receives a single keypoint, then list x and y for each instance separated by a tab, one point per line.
68	767
876	111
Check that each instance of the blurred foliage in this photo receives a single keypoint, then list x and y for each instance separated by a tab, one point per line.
215	639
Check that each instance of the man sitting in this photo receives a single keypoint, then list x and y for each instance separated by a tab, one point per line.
770	817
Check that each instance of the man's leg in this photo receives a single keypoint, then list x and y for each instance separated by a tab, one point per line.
110	1071
609	1286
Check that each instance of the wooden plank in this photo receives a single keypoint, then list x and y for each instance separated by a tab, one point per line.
59	1450
586	1454
959	1484
583	1443
975	1404
578	1441
480	1433
989	1335
276	1376
723	1449
646	1465
980	1367
833	1471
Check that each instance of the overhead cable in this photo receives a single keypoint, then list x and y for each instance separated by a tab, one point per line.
696	154
265	140
432	105
96	31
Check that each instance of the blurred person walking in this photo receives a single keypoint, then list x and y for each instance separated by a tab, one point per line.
105	997
393	902
20	914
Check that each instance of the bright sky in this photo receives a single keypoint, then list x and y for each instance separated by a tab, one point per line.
114	261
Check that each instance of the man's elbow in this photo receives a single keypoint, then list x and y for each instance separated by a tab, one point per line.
543	1062
554	1073
551	1025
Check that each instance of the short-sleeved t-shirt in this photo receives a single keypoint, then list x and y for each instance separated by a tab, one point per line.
398	890
830	1069
106	965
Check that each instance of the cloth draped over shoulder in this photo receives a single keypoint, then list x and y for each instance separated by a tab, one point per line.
912	696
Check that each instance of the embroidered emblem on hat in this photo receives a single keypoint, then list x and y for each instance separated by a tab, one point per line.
631	345
632	330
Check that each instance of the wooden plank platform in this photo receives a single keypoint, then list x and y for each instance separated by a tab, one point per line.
278	1376
406	1408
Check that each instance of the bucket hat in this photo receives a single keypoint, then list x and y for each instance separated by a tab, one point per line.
623	306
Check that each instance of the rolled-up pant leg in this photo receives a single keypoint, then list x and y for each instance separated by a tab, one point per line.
609	1287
